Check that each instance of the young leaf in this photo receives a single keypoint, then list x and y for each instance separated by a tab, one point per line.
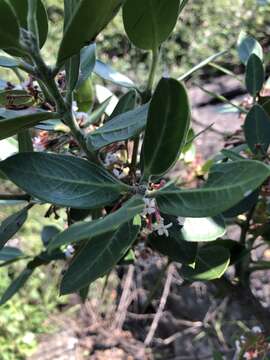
70	181
257	130
179	251
95	116
211	263
89	17
227	185
247	45
120	128
107	73
21	9
86	230
254	75
11	126
98	257
148	23
12	225
126	103
9	27
16	285
87	63
167	127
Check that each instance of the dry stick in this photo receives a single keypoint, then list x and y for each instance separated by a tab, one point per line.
161	307
125	299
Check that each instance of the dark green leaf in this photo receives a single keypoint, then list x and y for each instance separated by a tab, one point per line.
11	126
48	233
228	184
63	180
211	263
107	73
98	257
257	130
126	103
167	127
21	9
148	23
86	230
25	141
16	285
179	251
120	128
9	27
88	61
243	206
237	251
247	46
11	225
94	117
89	17
9	253
254	75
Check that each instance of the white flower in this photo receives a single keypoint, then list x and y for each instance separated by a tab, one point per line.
256	330
150	206
38	144
181	220
69	251
161	228
119	174
74	106
111	158
81	116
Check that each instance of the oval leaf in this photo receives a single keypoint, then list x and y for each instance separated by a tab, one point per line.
89	17
247	45
148	23
211	263
167	127
9	27
227	185
70	181
120	128
9	253
98	257
254	75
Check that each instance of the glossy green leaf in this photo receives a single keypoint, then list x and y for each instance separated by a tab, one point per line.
87	63
237	251
167	127
11	126
98	257
126	103
243	206
9	27
257	130
88	19
16	285
120	128
107	73
70	181
48	233
95	116
148	23
21	9
211	263
228	184
8	62
179	251
9	253
10	226
86	230
247	45
254	75
202	229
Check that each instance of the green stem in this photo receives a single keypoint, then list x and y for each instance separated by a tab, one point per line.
154	65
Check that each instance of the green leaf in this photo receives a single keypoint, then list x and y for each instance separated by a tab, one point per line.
9	253
63	180
148	23
21	9
179	251
87	63
11	126
10	226
107	73
254	75
48	233
86	230
247	46
211	263
95	116
18	98
89	17
9	27
257	130
126	103
228	184
120	128
202	229
25	141
237	251
8	62
167	127
98	257
243	206
16	285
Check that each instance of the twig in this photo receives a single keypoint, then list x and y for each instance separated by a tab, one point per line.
161	307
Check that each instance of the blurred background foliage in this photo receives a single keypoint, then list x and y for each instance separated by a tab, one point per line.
206	27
